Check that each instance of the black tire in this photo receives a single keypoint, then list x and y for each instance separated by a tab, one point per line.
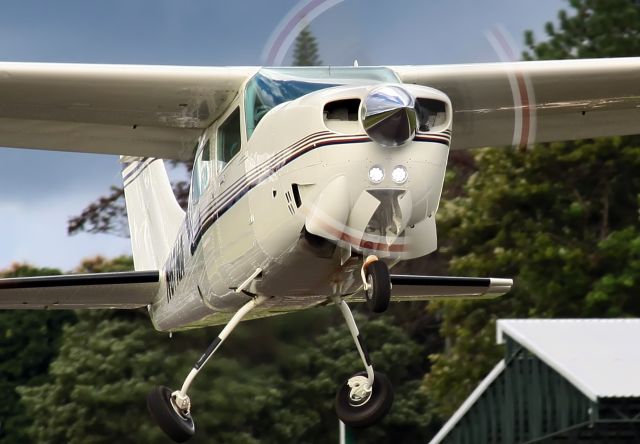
179	428
373	410
378	297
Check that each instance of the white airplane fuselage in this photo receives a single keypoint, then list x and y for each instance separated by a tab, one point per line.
297	209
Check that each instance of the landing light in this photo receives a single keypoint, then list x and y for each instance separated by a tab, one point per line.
399	175
376	174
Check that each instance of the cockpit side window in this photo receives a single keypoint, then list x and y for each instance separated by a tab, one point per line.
228	139
201	174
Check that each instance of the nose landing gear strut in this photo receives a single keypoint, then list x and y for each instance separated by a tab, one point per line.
366	397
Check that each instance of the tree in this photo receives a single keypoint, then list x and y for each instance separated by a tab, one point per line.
100	264
109	360
596	28
29	341
108	214
562	219
98	383
305	52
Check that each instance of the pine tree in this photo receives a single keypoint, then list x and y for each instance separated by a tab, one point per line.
305	52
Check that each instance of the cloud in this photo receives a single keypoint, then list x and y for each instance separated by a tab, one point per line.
35	175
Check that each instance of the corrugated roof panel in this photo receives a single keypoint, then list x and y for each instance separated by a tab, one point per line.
468	403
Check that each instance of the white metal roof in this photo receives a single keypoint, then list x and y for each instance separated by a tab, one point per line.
601	357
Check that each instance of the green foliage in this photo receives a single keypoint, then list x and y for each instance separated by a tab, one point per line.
305	52
96	387
561	219
28	343
594	28
110	360
615	293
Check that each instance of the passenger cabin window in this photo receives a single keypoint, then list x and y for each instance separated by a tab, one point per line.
201	175
229	139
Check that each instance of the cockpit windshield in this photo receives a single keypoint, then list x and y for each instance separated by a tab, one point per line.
272	86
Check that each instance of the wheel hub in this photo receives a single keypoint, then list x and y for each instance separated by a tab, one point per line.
181	403
360	391
369	291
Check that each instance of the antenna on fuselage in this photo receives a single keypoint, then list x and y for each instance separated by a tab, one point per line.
355	63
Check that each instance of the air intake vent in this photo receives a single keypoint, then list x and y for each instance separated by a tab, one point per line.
342	115
342	110
431	113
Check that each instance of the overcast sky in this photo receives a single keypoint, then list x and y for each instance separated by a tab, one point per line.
40	190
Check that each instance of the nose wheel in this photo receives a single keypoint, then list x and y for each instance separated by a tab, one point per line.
359	406
377	284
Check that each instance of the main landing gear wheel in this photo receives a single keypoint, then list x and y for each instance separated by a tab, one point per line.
172	410
177	424
378	292
358	406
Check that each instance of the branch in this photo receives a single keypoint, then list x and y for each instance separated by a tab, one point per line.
108	214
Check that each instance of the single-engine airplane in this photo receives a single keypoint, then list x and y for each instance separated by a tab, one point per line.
308	184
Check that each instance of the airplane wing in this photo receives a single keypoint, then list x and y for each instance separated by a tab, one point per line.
159	111
498	104
147	111
71	291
